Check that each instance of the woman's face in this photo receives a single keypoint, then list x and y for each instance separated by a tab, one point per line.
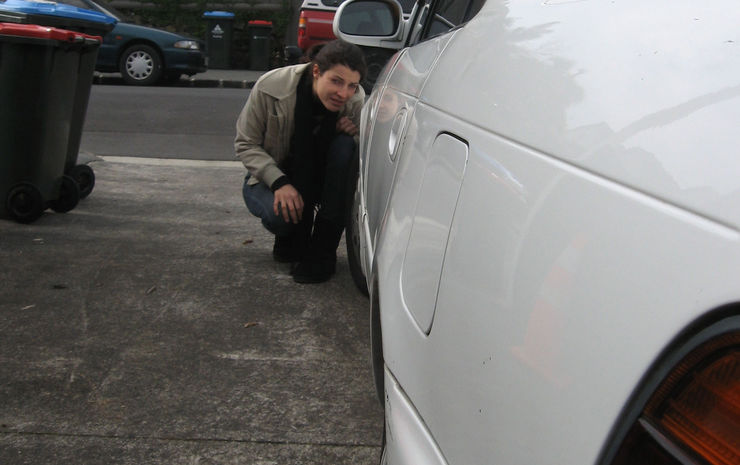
335	86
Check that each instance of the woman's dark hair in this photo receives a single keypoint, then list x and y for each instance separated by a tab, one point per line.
338	52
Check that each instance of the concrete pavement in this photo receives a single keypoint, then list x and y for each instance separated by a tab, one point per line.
150	325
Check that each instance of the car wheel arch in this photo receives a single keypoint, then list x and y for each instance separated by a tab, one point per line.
376	341
353	226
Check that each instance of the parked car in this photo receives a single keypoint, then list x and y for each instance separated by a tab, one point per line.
145	55
547	219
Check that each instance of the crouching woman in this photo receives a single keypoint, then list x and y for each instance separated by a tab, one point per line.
296	137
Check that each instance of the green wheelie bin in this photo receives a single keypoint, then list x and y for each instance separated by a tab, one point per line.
63	16
38	79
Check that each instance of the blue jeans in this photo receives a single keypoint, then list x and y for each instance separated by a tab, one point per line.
259	198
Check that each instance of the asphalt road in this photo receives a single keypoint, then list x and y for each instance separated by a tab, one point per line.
162	122
150	325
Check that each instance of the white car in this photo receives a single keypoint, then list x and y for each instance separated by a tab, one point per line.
547	218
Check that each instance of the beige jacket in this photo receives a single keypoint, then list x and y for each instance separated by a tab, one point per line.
266	124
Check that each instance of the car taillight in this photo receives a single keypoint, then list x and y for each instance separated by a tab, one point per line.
301	26
694	415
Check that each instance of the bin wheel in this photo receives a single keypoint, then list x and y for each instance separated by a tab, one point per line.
85	177
140	65
69	196
24	203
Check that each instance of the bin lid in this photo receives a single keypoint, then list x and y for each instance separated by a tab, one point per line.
44	32
259	22
55	9
218	14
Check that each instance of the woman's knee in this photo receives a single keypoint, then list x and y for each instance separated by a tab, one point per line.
259	201
246	193
277	225
253	199
272	222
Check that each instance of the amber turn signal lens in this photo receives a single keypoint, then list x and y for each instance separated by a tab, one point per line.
703	409
694	415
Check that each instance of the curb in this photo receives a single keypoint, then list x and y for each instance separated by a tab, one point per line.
187	82
224	83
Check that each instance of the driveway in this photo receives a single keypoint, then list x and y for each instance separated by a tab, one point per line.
150	325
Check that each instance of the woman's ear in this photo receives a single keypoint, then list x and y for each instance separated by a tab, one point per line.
315	71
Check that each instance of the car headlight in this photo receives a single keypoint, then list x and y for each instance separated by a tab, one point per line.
694	414
187	44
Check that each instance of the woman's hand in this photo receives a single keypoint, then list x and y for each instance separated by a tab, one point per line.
288	203
344	124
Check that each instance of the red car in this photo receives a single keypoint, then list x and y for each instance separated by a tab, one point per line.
315	22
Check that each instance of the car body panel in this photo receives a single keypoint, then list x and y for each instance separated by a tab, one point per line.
650	116
396	103
371	113
408	442
596	219
510	325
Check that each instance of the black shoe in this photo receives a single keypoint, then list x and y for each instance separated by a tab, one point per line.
284	250
320	260
292	248
314	271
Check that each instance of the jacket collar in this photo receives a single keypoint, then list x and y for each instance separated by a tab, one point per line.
282	82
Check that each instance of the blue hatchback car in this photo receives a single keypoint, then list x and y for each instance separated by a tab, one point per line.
145	55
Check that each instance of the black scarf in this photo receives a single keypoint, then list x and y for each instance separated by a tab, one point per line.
315	127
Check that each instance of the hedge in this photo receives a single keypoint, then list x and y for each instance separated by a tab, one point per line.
187	18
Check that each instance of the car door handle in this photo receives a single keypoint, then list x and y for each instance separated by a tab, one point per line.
394	139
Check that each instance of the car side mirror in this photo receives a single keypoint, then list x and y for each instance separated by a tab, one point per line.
372	23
